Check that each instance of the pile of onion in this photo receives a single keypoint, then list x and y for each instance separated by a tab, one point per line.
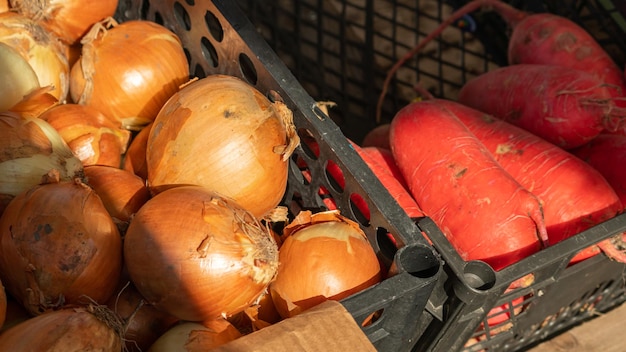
58	245
222	133
30	149
323	256
46	55
197	255
93	137
69	20
128	70
71	329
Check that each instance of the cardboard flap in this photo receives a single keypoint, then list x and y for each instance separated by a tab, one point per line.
326	327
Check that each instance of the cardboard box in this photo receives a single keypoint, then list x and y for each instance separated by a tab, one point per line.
326	327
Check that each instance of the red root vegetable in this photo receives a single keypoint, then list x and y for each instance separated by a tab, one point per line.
391	178
377	137
564	106
607	154
541	38
574	195
483	211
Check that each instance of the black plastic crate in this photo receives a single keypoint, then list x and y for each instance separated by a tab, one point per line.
218	38
340	50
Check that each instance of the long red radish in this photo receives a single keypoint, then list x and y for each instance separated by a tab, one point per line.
387	174
574	195
546	38
607	154
485	214
540	38
564	106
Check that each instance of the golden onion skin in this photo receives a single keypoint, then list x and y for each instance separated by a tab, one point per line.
59	245
198	256
223	134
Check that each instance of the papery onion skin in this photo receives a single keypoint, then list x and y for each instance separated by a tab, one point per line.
65	330
58	245
92	136
35	103
30	149
196	337
121	191
69	20
223	134
44	52
17	76
135	158
128	70
198	256
321	261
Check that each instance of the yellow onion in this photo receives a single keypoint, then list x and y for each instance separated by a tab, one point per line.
67	19
3	305
71	329
198	256
135	157
222	133
324	256
122	192
4	5
15	313
30	149
43	51
35	103
17	76
142	323
92	136
196	337
128	70
58	245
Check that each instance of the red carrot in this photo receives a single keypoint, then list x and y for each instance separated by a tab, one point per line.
483	211
566	107
385	159
574	195
540	38
607	154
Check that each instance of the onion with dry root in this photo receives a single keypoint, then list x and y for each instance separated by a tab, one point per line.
196	337
142	323
198	256
69	20
93	137
58	245
222	133
30	149
44	53
71	329
128	70
323	256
